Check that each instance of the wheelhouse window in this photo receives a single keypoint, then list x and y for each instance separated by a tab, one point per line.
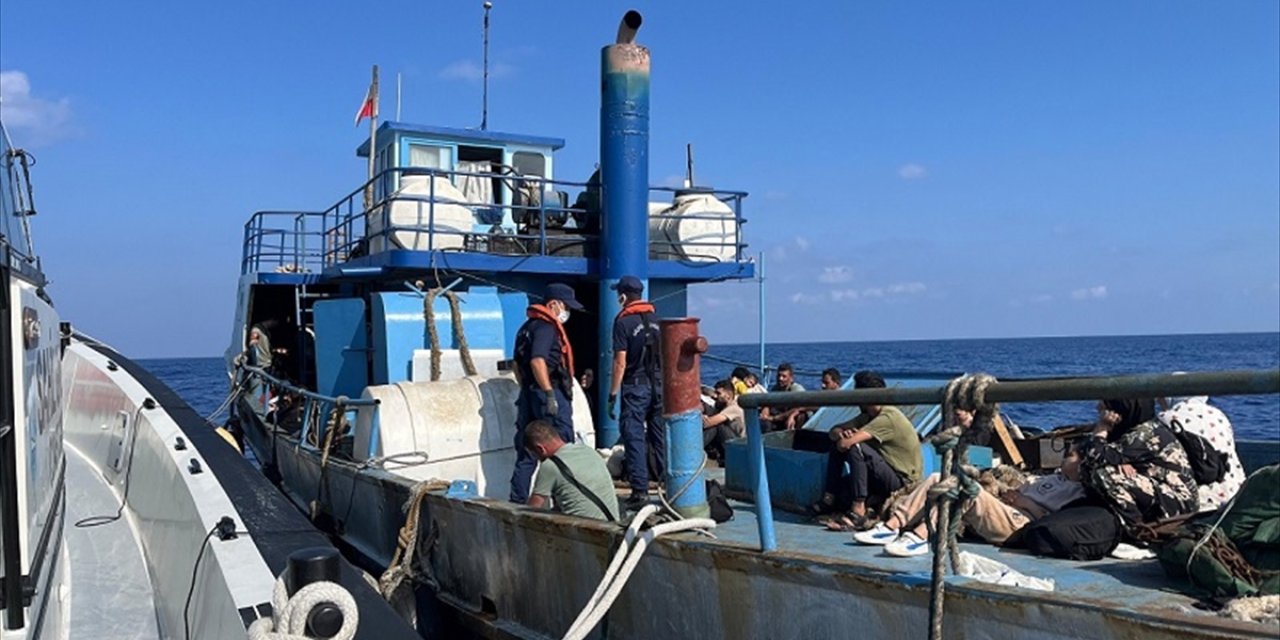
428	156
527	163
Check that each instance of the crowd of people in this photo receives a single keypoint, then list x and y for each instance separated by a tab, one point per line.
1132	469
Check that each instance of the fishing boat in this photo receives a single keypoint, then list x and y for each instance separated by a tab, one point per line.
123	514
369	362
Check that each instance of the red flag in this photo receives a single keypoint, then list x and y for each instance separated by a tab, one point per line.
368	108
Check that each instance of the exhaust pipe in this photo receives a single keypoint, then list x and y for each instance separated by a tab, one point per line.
629	26
624	177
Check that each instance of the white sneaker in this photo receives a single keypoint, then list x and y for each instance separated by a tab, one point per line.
878	534
907	545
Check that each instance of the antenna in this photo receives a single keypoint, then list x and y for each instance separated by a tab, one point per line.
484	113
688	159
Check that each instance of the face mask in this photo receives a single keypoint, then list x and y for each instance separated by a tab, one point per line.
564	316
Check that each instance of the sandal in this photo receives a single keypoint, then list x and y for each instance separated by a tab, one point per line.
849	523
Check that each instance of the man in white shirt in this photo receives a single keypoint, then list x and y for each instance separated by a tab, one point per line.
994	518
726	424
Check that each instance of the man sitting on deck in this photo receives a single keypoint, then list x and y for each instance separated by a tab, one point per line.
779	418
576	478
883	453
726	424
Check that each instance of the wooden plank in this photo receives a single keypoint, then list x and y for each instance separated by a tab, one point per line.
1010	454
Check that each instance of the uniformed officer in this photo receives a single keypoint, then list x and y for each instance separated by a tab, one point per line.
544	361
637	378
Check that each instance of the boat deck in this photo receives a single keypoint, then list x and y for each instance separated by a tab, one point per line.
1140	586
111	595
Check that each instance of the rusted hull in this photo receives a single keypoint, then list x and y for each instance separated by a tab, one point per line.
536	571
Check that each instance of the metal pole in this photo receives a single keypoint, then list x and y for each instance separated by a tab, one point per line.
624	180
484	113
1145	385
762	312
373	142
760	480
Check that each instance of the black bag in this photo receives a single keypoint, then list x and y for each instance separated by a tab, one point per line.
721	512
1076	533
1208	465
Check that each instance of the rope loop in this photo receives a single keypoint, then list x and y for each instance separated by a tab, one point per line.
458	328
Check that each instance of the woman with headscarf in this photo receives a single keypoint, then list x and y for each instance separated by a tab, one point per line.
1136	464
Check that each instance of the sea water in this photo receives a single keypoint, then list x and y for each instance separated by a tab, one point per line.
203	382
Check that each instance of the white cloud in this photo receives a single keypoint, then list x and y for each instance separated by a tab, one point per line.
1090	293
805	298
873	292
471	71
36	119
835	275
783	251
843	295
912	171
905	288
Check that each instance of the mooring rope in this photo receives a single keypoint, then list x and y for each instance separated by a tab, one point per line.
459	331
953	496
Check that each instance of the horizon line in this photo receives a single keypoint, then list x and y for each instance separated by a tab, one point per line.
965	339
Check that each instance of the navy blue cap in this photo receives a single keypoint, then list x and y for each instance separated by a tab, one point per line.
628	284
564	293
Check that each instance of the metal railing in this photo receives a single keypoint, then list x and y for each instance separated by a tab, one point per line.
285	241
1213	383
530	216
319	412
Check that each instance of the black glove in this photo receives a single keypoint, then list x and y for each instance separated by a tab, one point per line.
553	406
613	406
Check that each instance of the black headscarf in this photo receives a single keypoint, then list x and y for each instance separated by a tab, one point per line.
1132	413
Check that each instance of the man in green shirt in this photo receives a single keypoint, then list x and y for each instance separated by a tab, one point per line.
574	476
883	453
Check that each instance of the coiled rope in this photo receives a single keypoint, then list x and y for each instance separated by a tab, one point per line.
459	331
954	493
288	619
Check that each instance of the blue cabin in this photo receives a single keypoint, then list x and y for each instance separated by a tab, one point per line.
484	215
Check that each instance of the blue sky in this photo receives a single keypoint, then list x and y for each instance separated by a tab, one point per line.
917	170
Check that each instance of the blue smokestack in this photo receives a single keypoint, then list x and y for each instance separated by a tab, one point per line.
624	177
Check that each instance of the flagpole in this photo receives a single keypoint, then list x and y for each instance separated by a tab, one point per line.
373	141
484	109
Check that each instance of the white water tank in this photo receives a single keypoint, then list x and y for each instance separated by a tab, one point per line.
466	427
410	209
696	226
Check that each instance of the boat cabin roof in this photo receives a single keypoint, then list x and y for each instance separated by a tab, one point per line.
388	130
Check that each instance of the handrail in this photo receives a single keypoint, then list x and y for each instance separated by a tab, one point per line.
1148	385
347	228
341	401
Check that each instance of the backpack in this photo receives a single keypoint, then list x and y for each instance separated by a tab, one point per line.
651	352
721	512
1208	465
